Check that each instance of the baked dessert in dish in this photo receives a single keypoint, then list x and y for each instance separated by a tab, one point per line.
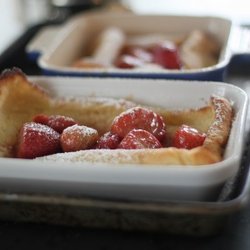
115	49
22	103
21	100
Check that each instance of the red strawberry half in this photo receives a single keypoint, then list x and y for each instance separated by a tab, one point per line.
108	141
37	140
188	137
57	122
139	118
139	139
78	137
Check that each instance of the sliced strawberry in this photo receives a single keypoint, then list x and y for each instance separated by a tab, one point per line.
139	139
41	118
166	54
37	140
138	52
128	62
77	137
108	141
139	118
188	137
57	122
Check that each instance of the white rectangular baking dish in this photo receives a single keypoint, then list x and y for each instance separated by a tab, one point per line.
133	182
56	47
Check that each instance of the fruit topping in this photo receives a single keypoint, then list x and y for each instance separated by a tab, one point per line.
128	62
136	128
108	141
133	56
139	52
166	54
78	137
139	118
37	140
57	122
139	139
188	137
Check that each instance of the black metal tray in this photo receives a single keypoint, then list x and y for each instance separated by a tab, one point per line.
189	218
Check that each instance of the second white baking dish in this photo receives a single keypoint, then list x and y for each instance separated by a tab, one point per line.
56	47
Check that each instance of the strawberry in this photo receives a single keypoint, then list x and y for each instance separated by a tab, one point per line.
188	137
138	52
139	139
57	122
108	141
37	140
128	62
41	118
139	118
78	137
166	54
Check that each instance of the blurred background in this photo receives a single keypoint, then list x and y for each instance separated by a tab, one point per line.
17	15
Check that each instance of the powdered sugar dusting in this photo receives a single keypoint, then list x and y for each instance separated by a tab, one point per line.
93	156
218	131
81	130
78	137
39	130
104	101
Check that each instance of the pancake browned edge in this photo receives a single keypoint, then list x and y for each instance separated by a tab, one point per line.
17	94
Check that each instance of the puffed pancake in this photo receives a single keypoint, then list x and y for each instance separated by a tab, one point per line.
116	49
21	100
17	94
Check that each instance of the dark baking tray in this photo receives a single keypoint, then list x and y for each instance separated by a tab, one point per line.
188	218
